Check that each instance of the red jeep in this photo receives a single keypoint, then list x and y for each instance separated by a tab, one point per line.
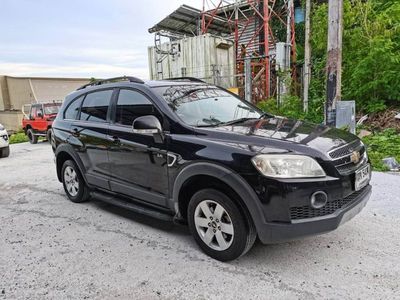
37	122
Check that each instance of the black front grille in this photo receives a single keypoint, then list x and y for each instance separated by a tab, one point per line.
305	212
345	150
342	157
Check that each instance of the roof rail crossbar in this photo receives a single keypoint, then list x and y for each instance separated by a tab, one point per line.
193	79
111	80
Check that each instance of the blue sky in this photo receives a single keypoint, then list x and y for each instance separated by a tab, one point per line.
72	38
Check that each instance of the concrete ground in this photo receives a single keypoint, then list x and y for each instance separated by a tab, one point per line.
51	248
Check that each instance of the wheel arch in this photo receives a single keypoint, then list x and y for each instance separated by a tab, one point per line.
205	175
64	153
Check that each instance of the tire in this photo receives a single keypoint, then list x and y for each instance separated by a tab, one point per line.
49	135
5	152
33	139
235	227
73	182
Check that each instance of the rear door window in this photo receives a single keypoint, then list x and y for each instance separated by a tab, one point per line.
71	113
95	106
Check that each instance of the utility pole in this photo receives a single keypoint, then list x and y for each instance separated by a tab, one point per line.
307	57
247	80
284	84
334	60
289	24
266	47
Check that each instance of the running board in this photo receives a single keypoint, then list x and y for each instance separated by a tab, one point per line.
129	205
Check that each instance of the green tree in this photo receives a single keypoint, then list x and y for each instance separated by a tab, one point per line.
371	53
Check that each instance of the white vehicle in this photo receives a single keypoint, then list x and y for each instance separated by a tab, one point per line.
4	146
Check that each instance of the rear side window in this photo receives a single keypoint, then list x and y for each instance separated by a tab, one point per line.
71	113
95	106
132	104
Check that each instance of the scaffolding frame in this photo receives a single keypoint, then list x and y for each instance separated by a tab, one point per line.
256	16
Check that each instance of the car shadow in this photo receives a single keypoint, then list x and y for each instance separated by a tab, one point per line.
273	255
142	219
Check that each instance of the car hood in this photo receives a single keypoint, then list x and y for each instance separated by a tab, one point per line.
283	133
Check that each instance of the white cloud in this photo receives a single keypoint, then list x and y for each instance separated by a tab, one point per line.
108	39
75	70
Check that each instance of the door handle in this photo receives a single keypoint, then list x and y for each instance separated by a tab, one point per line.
115	139
75	132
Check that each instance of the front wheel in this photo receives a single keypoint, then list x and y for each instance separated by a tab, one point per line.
73	182
33	139
220	228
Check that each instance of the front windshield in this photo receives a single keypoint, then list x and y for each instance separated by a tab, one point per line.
51	109
202	105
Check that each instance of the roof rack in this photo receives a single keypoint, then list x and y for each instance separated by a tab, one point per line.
192	79
111	80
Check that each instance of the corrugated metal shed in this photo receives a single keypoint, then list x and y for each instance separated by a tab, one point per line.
190	53
206	56
186	21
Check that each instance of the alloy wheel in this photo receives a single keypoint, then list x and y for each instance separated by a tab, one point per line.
71	181
214	225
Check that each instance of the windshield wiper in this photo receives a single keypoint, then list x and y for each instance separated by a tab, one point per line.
265	115
237	121
208	125
213	122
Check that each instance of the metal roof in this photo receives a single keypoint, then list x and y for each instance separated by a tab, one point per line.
186	21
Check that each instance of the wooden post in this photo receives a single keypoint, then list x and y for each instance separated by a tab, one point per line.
307	57
334	60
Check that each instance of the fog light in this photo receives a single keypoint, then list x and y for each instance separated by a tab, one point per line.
318	199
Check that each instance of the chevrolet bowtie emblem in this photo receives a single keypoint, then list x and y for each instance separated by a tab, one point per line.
355	157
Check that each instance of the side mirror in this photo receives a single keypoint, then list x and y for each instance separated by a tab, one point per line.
146	124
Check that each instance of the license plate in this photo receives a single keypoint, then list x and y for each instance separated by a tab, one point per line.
362	177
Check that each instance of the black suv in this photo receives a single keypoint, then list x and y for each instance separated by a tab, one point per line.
191	152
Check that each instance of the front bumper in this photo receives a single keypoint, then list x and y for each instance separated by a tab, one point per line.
3	139
275	232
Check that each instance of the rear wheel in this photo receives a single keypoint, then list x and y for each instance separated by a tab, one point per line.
73	182
218	225
33	139
5	152
48	136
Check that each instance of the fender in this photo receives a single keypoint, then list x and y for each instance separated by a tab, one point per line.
70	150
229	177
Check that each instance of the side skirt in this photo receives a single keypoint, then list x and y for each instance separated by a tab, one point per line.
164	215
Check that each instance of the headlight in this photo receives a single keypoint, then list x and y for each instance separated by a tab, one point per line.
287	166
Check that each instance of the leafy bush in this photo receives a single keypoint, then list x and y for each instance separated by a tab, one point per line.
381	145
292	107
18	137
